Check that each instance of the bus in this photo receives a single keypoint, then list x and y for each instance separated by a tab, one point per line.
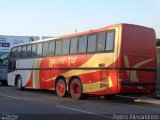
116	59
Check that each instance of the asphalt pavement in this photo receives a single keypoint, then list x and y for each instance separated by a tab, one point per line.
46	105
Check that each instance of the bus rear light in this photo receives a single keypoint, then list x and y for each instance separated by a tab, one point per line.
105	80
103	76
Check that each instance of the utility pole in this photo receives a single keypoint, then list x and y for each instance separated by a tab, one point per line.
75	30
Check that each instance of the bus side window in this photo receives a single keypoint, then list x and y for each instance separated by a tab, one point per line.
91	43
101	41
24	52
34	50
73	46
110	41
13	52
82	44
19	52
58	47
10	66
29	50
45	49
65	46
39	50
51	48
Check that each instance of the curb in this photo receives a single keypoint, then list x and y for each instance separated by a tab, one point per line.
150	101
143	99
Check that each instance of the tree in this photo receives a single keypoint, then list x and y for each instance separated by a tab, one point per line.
158	41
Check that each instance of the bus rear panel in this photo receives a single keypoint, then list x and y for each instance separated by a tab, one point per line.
138	60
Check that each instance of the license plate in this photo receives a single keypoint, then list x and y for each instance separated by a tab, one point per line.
140	87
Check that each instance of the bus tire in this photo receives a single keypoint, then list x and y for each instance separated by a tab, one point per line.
76	89
4	83
109	96
61	88
19	83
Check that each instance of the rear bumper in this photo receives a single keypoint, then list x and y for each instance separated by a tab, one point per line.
129	87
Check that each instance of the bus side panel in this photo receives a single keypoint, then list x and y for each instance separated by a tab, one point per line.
102	82
66	66
11	79
25	71
99	79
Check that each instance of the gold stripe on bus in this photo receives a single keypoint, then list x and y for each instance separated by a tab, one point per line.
126	63
118	41
71	73
50	79
132	74
97	86
93	62
36	80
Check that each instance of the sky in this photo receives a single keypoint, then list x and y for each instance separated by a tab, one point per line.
61	17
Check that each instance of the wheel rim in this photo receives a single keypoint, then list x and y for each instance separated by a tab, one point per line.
61	88
76	89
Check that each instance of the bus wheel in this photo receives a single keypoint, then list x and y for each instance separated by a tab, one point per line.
19	83
109	96
76	89
61	88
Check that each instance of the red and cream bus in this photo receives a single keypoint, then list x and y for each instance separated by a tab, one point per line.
116	59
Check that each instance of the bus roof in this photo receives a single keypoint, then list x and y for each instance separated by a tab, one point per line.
82	33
